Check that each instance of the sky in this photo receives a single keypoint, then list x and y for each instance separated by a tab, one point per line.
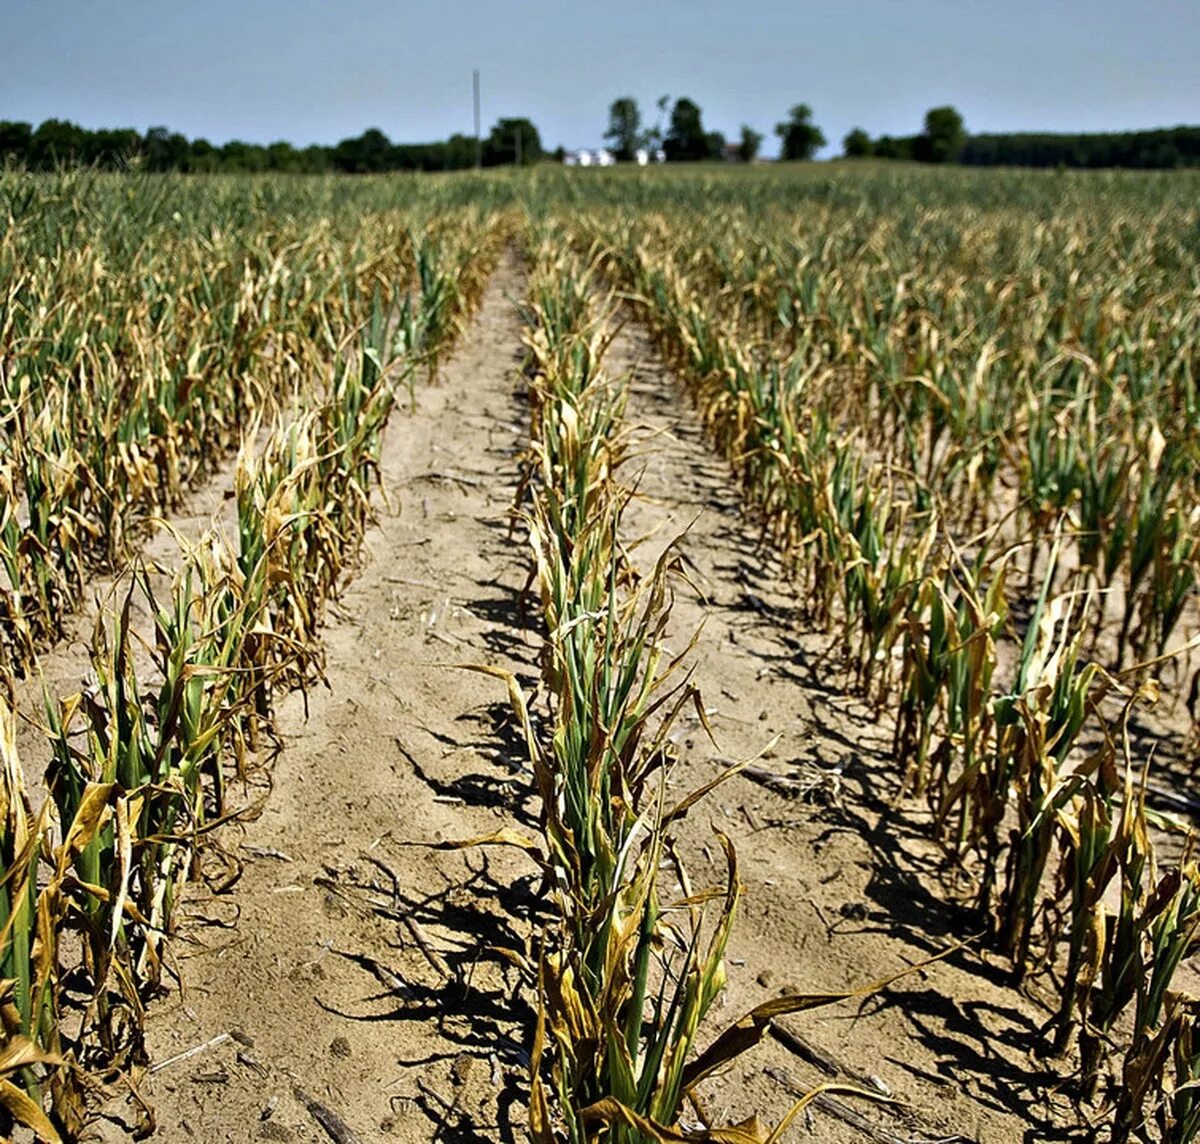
308	72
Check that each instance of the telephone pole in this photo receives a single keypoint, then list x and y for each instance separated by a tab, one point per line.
478	139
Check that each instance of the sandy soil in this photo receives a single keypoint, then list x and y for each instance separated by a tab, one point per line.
352	969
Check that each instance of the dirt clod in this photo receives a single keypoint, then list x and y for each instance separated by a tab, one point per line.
461	1069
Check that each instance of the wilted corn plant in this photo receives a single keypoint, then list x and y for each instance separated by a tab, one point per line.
135	346
28	986
137	769
924	370
146	744
1037	728
628	975
303	493
1120	967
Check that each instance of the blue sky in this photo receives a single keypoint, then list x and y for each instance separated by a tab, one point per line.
263	70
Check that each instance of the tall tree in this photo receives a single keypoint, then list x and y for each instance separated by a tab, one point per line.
801	137
686	139
165	150
895	147
654	137
370	151
751	143
625	128
282	156
114	149
944	136
203	156
14	139
56	142
512	141
857	144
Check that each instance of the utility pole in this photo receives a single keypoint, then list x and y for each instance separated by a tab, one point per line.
478	139
517	133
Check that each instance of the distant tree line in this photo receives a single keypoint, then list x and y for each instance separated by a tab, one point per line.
945	140
686	140
58	142
1169	147
942	141
683	138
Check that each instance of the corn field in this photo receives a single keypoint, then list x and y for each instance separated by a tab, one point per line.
972	435
151	330
961	410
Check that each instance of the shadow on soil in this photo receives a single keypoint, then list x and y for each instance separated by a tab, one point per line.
984	1045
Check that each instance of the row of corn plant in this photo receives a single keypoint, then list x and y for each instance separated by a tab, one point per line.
996	752
136	345
636	957
140	757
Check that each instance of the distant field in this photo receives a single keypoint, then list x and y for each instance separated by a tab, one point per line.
885	478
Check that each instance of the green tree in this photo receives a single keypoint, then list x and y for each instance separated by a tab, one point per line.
857	144
686	140
654	137
944	136
282	156
751	143
624	132
460	152
314	158
14	140
237	155
369	152
895	147
165	150
56	142
110	148
801	137
512	141
202	156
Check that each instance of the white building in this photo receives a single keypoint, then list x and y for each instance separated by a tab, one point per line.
599	157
